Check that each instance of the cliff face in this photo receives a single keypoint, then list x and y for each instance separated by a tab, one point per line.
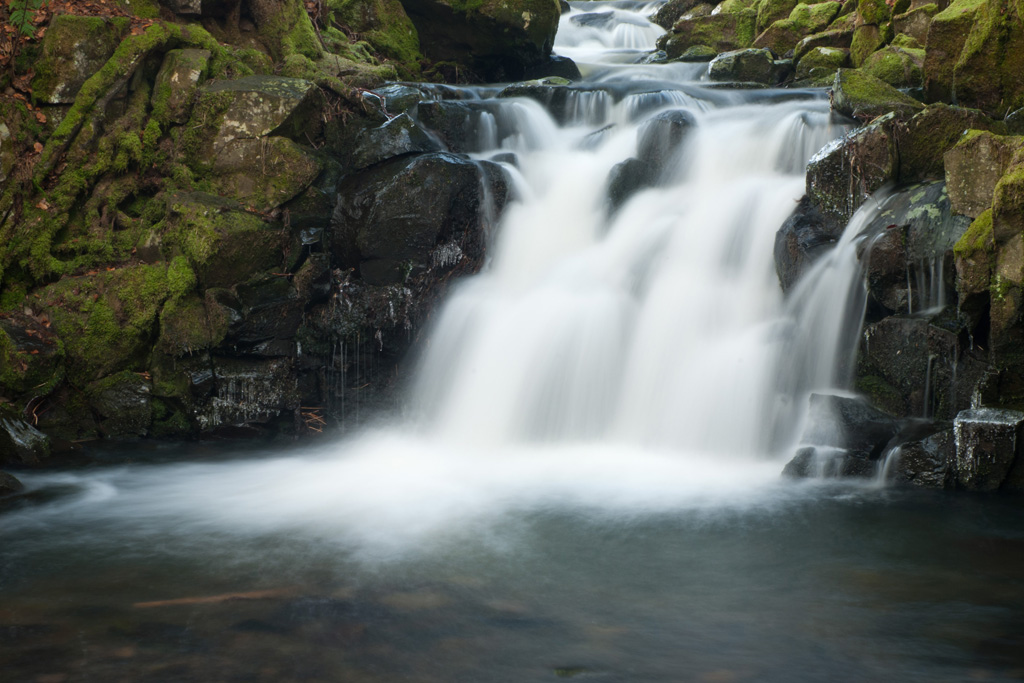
203	218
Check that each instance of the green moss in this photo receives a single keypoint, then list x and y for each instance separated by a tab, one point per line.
807	19
384	25
188	325
880	393
899	67
978	236
907	42
874	12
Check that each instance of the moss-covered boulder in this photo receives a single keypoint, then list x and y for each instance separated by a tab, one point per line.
771	11
988	72
744	66
497	40
384	25
669	13
31	358
122	403
915	23
74	48
866	39
821	63
947	34
781	37
833	37
723	32
924	140
20	442
974	260
874	12
263	173
974	166
409	216
862	96
897	66
175	86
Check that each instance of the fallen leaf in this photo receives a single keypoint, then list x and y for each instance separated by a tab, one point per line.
40	117
42	205
38	147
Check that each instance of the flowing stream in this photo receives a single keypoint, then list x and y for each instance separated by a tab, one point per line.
586	481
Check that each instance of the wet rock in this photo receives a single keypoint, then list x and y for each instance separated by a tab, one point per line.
913	368
392	220
749	66
455	123
845	172
122	403
924	456
555	67
20	442
802	239
399	136
175	86
74	48
844	437
239	391
495	40
698	53
975	260
986	447
659	140
270	309
593	19
723	32
669	13
9	484
862	96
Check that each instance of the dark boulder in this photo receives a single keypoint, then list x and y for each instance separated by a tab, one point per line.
408	216
20	442
802	240
9	484
494	39
751	65
658	144
399	136
922	455
31	357
123	404
987	448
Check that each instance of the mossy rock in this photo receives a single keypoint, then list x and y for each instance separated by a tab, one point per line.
822	62
223	243
947	34
770	11
722	32
384	25
175	86
1008	203
827	38
74	48
106	320
926	138
974	258
734	6
874	12
988	71
781	37
31	358
496	40
862	96
810	19
191	324
915	23
122	402
698	53
897	66
743	66
866	39
669	13
265	173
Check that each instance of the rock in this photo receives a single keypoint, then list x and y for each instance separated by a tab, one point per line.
555	67
801	240
1014	124
845	172
626	179
698	53
771	11
495	39
175	86
899	67
20	442
912	368
408	216
239	391
915	23
862	96
875	12
987	74
457	123
264	173
722	32
669	13
9	485
386	27
399	136
925	456
269	309
192	324
947	34
8	155
123	404
224	244
593	19
748	66
821	63
925	139
975	260
781	37
986	447
658	143
841	38
844	437
31	358
974	167
74	48
783	34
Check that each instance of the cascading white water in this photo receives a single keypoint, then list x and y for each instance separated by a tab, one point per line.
629	360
